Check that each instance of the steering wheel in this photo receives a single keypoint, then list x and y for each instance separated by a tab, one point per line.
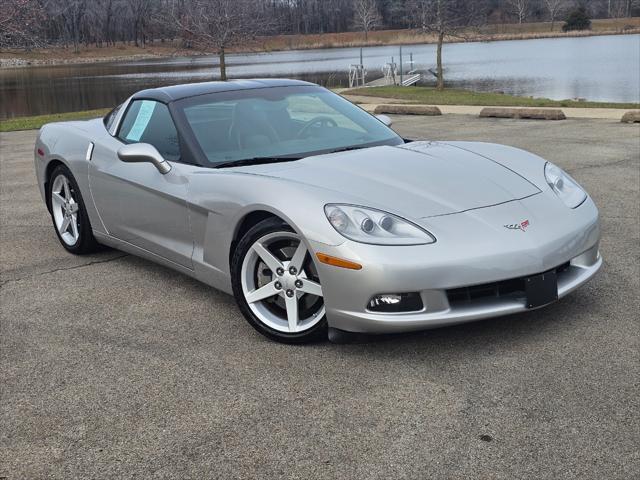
320	120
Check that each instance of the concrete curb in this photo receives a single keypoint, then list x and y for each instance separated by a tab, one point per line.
370	104
528	113
632	116
407	109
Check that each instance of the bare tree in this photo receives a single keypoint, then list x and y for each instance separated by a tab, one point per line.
218	24
520	8
140	14
108	20
448	18
629	5
422	13
366	16
617	8
20	23
554	7
73	14
442	29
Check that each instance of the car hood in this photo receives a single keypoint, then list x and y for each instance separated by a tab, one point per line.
419	179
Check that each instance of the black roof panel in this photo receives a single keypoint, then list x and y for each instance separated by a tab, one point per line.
178	92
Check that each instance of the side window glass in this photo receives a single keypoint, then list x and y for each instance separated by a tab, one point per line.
148	121
111	116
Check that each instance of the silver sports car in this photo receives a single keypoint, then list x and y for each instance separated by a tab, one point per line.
315	215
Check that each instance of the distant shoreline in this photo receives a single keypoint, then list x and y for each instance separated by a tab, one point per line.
159	50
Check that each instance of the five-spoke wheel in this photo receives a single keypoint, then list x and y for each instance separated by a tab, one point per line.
276	283
67	212
64	209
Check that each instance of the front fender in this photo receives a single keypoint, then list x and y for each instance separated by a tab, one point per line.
219	200
67	143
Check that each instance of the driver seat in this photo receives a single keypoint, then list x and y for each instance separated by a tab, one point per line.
249	128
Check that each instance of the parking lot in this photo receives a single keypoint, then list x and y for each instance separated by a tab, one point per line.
114	367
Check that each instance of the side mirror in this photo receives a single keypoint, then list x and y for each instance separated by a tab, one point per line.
143	152
384	119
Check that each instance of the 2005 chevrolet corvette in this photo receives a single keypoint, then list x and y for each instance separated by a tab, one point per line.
314	214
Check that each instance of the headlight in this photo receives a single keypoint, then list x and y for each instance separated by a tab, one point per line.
367	225
564	186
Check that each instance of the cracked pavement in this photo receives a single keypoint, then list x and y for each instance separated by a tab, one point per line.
113	367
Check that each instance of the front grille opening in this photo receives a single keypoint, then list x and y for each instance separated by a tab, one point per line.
511	288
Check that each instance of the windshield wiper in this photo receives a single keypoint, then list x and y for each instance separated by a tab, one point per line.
264	160
255	161
346	149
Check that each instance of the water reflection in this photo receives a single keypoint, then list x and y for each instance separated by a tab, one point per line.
604	68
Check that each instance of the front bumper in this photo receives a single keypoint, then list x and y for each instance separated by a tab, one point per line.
461	258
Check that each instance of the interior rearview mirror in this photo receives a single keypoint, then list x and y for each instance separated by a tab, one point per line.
384	119
144	152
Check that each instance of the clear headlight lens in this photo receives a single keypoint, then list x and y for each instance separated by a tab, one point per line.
564	186
367	225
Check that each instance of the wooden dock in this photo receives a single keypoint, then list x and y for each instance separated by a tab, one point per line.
407	80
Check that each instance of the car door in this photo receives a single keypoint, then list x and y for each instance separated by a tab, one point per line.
136	203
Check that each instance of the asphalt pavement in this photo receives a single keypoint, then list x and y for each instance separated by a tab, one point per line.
114	367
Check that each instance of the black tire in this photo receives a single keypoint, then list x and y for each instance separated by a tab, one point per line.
86	242
271	225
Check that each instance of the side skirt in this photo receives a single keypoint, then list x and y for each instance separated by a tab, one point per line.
202	272
118	244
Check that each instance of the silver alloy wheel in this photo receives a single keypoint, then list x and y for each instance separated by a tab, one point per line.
65	210
280	283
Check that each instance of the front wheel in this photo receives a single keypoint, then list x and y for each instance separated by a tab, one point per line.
276	284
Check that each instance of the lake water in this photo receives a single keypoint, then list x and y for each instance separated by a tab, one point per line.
599	68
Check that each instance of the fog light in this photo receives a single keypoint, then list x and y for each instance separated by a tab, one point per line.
396	302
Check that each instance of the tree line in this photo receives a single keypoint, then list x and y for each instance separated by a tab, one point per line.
72	23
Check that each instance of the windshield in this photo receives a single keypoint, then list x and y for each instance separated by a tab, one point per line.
279	122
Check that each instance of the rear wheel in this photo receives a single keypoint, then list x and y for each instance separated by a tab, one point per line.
276	284
68	213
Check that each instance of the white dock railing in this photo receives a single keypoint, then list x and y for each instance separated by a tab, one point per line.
357	76
412	79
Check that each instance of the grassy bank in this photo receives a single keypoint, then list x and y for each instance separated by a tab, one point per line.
157	49
487	33
451	96
32	123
